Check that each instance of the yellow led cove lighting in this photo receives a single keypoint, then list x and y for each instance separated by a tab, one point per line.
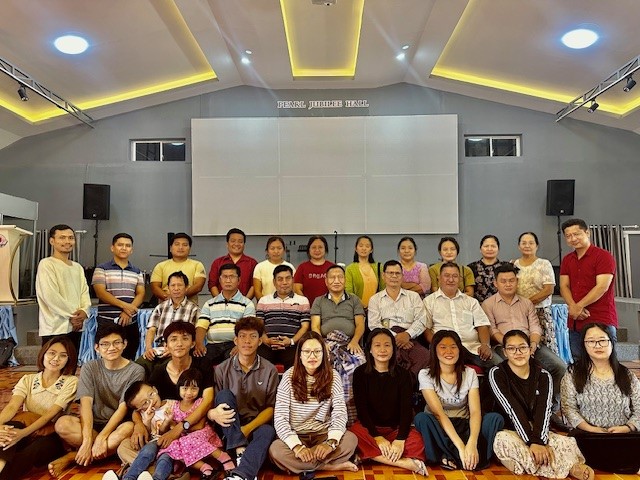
524	90
351	44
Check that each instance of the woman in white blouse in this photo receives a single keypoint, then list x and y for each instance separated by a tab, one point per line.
27	436
535	282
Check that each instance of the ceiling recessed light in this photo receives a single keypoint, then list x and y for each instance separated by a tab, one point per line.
400	56
245	60
71	44
405	47
580	38
248	52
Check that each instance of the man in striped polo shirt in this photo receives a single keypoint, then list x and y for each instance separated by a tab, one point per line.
120	288
219	315
286	319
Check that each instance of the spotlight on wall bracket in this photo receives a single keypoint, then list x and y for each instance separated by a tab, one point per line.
23	93
630	84
594	106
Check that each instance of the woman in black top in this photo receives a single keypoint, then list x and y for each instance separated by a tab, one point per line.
524	392
383	391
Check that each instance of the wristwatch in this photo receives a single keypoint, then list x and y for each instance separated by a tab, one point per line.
292	342
333	443
186	425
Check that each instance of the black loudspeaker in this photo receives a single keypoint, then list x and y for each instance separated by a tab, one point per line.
96	201
560	195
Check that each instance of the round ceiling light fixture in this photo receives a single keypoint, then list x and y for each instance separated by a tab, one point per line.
71	44
580	38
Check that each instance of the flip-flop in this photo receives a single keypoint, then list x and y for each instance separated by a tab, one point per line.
448	464
421	467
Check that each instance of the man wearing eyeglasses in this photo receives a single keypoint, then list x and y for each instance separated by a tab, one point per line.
100	428
402	312
506	311
219	316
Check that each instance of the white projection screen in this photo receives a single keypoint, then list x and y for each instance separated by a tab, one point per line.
303	176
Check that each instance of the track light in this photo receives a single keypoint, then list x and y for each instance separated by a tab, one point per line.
23	93
594	106
630	84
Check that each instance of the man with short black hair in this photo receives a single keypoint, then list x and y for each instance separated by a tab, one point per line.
507	311
120	287
402	312
449	309
246	386
62	290
179	262
586	283
219	316
286	318
236	239
101	387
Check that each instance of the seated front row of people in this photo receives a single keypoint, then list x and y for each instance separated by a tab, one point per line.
455	436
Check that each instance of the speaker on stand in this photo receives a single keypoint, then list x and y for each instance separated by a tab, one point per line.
96	202
560	201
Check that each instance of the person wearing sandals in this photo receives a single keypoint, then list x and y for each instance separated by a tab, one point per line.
383	395
524	392
454	432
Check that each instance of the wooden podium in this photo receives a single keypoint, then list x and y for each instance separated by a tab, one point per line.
11	237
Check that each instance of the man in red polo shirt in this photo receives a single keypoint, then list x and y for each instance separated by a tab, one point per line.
235	248
586	283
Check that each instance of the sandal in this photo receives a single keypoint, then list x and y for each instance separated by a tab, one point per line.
421	468
448	464
580	471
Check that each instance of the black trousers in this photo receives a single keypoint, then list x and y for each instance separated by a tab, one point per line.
610	452
29	452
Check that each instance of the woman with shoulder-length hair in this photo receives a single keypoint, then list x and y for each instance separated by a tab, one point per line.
310	277
27	434
601	400
310	415
455	433
524	392
383	393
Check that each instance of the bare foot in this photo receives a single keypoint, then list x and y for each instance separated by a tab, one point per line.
580	471
350	466
58	466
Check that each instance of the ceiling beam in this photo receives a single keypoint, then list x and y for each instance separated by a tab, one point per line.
616	77
26	80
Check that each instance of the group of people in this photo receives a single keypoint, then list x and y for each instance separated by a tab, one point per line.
355	343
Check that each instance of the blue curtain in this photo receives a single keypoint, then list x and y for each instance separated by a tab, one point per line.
560	315
8	329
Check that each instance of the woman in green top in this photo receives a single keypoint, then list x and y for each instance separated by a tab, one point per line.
449	250
363	275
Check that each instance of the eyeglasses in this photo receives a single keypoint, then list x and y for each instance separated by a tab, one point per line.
603	342
147	403
335	278
51	355
308	353
107	345
228	277
521	349
393	274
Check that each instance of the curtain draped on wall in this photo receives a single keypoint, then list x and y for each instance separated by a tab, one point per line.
610	238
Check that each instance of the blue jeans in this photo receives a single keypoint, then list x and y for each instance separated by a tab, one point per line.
437	444
576	345
146	456
257	445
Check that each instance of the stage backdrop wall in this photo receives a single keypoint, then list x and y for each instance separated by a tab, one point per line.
300	176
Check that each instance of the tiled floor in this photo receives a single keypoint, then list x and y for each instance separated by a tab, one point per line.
9	376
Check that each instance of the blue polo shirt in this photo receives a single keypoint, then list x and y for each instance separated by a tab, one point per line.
119	282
